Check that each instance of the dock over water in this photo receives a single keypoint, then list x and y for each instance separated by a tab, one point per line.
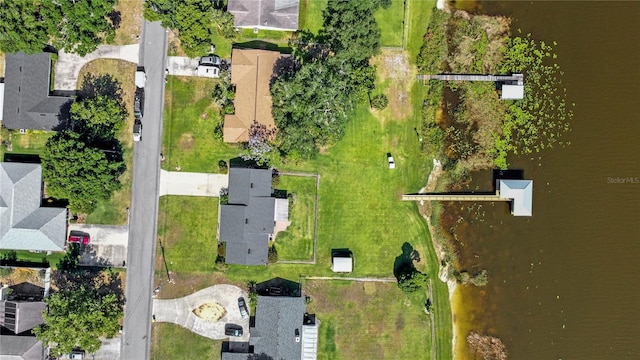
517	79
453	197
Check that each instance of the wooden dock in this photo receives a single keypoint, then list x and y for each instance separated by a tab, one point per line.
454	197
515	78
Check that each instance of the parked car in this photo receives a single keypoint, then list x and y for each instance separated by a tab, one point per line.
392	164
211	60
233	330
138	103
141	77
242	305
137	130
79	239
77	355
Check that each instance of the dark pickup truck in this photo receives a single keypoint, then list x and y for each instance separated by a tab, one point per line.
138	103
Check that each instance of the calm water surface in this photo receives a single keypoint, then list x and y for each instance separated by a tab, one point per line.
565	283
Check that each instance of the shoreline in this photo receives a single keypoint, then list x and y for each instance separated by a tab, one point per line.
426	211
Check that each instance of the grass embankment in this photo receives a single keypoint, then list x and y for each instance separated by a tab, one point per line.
296	243
114	211
190	118
311	15
129	29
391	23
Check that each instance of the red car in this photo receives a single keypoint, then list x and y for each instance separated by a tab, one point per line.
80	239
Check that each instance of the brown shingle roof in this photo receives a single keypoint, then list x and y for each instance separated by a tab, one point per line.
251	72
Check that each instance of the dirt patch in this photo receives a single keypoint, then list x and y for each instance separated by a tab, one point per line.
128	31
210	312
280	226
2	57
393	68
186	142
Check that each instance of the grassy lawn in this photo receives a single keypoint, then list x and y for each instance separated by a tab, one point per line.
113	211
271	35
418	15
131	19
297	242
31	143
171	341
189	121
311	15
187	228
368	321
24	255
391	22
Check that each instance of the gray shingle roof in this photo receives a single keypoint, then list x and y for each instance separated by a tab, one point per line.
270	14
247	221
24	225
21	347
277	318
21	316
27	103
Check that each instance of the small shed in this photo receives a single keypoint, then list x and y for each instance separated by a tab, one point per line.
281	212
342	264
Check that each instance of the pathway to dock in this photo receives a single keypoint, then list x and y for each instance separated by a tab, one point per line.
516	78
454	197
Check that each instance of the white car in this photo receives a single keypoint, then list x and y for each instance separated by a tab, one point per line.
137	130
392	164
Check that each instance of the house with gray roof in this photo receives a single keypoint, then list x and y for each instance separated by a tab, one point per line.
17	319
246	223
283	330
24	223
28	101
265	14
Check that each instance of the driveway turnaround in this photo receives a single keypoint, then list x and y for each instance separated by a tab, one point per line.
192	184
180	311
68	65
107	246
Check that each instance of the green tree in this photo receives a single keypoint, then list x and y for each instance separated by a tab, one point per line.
412	281
379	102
310	108
100	117
77	26
86	24
78	317
27	25
83	174
197	21
351	30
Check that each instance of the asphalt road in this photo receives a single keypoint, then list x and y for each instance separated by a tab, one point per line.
143	219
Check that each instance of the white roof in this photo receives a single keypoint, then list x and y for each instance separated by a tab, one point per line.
309	342
141	79
512	92
342	264
521	194
208	71
281	212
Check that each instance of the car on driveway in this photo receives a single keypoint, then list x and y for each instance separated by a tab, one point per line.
79	239
242	305
211	60
233	330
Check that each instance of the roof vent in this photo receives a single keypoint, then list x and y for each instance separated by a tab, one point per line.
246	221
251	185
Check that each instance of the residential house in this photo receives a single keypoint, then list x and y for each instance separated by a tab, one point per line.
282	330
24	223
28	100
17	319
251	72
247	221
265	14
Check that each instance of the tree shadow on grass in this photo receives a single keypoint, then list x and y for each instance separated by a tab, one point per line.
403	264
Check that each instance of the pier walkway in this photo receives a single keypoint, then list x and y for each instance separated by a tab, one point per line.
515	78
454	197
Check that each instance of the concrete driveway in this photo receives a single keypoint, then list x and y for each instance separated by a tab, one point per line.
108	246
192	184
182	66
68	65
180	311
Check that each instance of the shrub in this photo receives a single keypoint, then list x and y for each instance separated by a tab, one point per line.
480	279
223	167
273	254
379	102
